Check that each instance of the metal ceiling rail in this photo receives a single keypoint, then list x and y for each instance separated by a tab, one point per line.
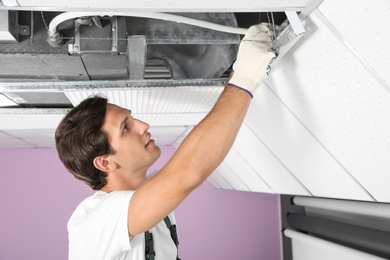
128	84
34	111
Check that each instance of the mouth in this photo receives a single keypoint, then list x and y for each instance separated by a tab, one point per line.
149	140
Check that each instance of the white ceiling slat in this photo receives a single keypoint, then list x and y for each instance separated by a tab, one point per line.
231	177
181	137
211	180
245	172
221	182
215	179
265	164
157	99
159	106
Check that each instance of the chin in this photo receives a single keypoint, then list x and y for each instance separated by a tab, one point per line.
156	154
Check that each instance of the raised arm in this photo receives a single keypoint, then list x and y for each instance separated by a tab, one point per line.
209	142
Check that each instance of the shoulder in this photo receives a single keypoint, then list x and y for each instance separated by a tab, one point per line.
99	203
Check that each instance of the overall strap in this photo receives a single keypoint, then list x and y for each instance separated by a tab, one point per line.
172	229
150	254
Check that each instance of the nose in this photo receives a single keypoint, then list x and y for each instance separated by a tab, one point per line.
143	127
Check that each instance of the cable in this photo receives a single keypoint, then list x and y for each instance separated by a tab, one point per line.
44	21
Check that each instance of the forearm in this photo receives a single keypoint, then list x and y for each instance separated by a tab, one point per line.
209	142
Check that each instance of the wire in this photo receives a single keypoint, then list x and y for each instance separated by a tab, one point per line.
272	22
44	22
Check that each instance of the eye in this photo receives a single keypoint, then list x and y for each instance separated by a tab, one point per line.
125	128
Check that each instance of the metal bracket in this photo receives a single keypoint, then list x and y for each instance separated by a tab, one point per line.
290	32
114	34
74	48
24	30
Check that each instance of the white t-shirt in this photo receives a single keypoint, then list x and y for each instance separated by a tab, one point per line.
98	230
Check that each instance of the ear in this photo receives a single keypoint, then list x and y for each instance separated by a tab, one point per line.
104	163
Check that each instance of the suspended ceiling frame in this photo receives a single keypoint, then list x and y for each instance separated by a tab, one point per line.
160	6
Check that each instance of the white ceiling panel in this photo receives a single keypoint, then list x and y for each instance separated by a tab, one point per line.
31	137
13	143
364	27
300	152
10	142
341	105
42	141
29	121
27	133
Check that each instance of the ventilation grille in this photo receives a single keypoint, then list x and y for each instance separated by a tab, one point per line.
159	106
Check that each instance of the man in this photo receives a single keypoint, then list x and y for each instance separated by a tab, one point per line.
104	146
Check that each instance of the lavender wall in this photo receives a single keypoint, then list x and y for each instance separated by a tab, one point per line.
38	196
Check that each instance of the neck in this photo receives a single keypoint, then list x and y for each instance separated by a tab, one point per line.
127	182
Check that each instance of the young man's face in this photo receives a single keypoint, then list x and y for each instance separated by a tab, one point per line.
130	139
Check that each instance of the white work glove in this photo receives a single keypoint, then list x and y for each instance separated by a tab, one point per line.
253	59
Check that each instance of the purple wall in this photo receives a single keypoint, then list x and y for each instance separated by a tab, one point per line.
38	196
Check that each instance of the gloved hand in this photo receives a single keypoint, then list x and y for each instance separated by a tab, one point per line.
253	59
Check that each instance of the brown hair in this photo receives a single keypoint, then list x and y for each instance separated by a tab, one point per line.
79	140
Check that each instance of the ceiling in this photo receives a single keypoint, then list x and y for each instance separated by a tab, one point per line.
184	71
319	125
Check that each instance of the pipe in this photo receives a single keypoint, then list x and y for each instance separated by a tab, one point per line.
54	36
309	247
354	207
369	240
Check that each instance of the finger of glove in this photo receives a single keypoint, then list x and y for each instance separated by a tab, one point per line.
256	29
260	40
258	35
